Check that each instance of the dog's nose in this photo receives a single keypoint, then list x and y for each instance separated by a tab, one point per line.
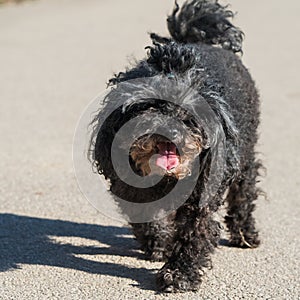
169	133
174	133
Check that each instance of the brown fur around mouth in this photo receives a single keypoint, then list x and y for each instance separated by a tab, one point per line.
143	150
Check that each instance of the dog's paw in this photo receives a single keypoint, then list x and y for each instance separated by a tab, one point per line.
245	240
170	280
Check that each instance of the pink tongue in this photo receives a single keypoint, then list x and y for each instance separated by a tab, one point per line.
167	156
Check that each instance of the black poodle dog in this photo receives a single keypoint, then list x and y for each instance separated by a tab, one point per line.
198	68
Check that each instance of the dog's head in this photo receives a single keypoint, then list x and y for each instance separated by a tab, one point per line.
170	143
160	125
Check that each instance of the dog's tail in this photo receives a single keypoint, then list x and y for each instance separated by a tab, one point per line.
205	21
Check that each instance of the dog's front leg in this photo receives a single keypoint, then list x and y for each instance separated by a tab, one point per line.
155	238
197	234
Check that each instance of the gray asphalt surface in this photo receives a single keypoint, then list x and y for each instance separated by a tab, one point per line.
55	56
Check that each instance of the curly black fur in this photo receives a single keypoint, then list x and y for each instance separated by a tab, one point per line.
205	21
186	238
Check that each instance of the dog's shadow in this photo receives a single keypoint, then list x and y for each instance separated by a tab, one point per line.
27	240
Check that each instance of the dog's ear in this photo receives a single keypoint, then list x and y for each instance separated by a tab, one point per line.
103	133
231	142
219	160
222	113
100	149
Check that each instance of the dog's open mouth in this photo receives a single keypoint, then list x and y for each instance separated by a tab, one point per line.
156	155
167	156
